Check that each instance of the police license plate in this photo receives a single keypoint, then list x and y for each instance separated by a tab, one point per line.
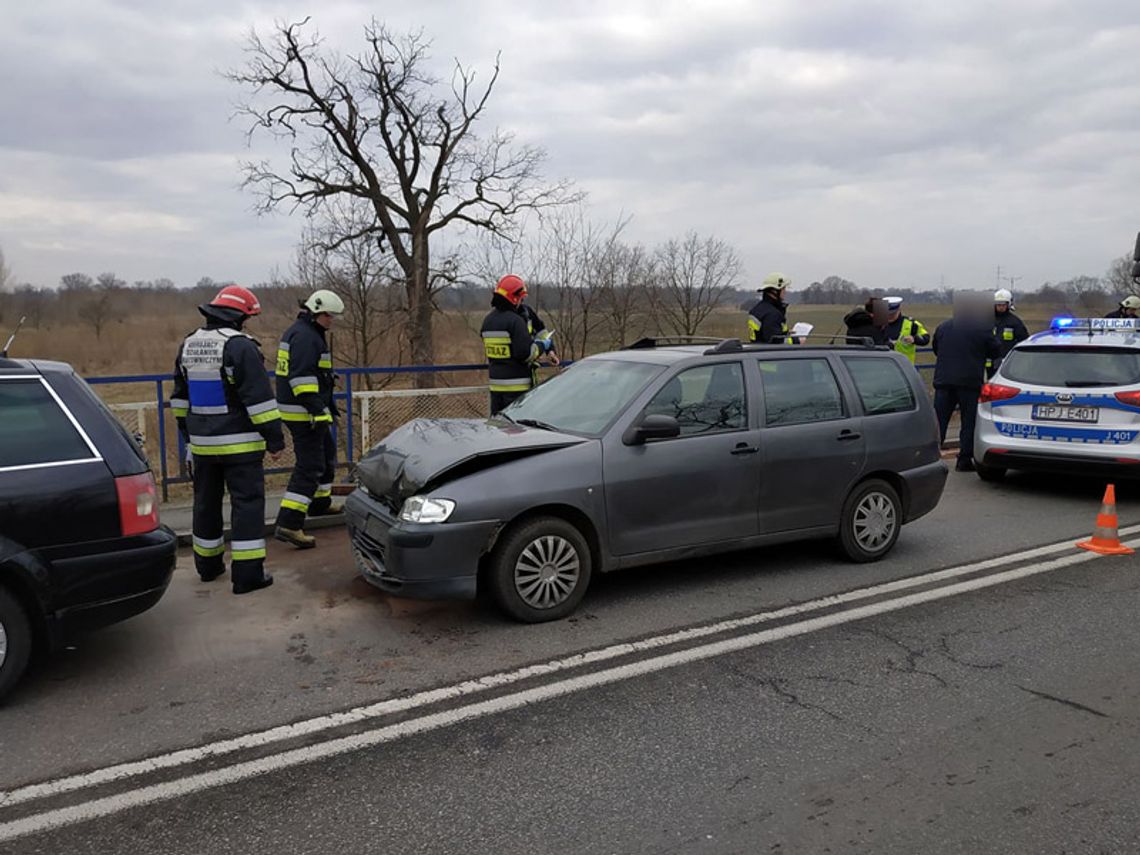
1064	413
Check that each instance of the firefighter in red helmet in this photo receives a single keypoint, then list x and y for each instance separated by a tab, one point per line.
511	349
227	415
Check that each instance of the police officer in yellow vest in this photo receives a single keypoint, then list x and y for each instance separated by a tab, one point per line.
305	386
228	417
906	334
768	319
1008	329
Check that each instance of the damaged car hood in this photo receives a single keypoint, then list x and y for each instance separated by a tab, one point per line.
424	452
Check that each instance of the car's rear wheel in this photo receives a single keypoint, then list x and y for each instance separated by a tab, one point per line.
15	641
870	521
540	570
989	473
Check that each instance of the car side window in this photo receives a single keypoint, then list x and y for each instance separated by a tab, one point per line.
34	429
706	399
881	384
798	391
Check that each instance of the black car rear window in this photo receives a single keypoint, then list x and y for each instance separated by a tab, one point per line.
33	428
1073	367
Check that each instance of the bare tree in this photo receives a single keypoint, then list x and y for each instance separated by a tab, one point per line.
374	328
375	127
97	310
631	271
1118	279
693	276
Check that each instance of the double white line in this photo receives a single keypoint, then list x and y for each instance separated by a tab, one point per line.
1037	558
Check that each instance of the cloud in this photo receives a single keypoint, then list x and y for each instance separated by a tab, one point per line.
888	141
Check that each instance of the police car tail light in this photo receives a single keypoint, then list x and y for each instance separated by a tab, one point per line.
138	503
997	392
1130	398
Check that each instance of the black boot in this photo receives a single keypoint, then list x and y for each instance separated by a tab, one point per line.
249	587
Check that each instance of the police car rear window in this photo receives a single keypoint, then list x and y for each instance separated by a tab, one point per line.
1073	367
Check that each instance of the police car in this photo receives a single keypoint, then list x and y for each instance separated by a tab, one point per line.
1067	399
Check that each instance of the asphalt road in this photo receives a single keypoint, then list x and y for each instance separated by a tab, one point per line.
1000	719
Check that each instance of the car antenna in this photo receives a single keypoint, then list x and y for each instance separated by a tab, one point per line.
12	337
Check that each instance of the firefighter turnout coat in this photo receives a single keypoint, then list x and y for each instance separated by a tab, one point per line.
222	399
510	349
768	320
305	379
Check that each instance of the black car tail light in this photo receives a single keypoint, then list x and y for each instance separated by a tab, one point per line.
138	503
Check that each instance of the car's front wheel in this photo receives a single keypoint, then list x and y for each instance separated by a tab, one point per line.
540	570
870	521
15	641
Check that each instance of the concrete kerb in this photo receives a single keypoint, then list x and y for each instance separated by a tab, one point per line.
180	518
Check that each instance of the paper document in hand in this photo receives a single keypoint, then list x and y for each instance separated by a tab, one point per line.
802	329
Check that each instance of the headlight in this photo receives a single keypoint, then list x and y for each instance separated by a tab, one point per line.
421	509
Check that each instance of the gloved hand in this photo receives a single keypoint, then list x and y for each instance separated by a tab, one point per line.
188	461
545	341
275	447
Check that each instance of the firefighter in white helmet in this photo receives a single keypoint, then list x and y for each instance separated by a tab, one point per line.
1008	328
305	383
1129	308
768	319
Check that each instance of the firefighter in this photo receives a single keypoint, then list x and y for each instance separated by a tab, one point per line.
1008	329
1129	308
228	418
768	319
305	383
905	334
512	351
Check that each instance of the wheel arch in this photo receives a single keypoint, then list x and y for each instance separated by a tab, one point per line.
575	516
897	482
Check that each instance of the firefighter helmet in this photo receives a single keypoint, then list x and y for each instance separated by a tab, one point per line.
239	298
1003	295
511	287
1130	302
324	301
775	282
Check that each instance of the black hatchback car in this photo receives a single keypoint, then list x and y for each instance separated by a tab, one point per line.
80	541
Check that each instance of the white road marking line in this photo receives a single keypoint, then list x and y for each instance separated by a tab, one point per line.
97	808
311	726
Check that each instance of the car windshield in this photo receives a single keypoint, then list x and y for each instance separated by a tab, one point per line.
1073	367
585	397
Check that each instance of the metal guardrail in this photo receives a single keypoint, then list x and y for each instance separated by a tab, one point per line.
462	401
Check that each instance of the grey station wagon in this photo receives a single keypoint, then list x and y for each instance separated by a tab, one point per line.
653	453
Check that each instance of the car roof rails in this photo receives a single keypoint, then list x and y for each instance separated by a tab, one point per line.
672	341
728	345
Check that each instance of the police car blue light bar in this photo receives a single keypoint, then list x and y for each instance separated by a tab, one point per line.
1069	324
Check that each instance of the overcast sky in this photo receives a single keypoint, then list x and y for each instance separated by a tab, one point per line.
894	142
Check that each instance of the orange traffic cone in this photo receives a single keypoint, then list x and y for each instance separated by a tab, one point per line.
1105	539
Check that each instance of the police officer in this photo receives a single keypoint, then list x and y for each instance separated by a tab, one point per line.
962	345
906	334
1008	329
228	417
305	383
511	350
768	319
1129	308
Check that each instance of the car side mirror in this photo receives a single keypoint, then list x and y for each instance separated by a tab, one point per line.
652	427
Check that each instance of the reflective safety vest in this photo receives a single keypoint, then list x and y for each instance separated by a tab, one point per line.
305	378
911	327
510	350
222	398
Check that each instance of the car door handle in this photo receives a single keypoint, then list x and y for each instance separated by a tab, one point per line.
745	448
848	434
